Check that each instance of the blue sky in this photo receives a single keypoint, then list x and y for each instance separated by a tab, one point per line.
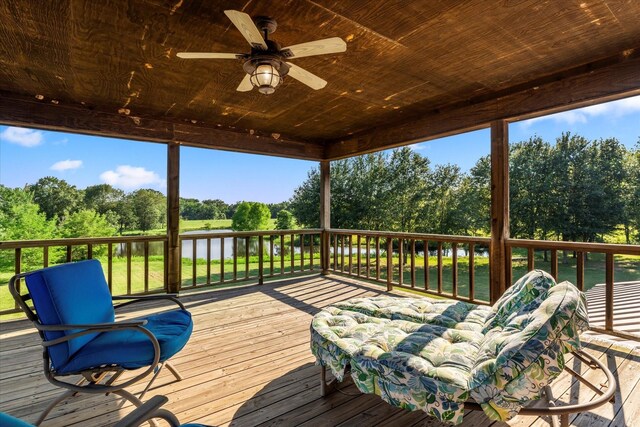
27	155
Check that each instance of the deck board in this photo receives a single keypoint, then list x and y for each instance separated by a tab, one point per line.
248	363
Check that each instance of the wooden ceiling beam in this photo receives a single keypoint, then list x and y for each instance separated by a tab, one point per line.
613	78
17	110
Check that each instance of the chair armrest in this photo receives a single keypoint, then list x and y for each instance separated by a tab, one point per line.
93	326
148	410
142	298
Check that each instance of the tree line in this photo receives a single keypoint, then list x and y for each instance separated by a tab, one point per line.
51	207
573	190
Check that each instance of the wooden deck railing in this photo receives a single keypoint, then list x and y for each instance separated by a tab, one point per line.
33	254
580	251
365	254
252	255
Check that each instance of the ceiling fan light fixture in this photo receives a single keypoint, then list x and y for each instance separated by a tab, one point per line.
266	78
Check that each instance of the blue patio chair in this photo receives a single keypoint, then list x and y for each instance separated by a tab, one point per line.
74	314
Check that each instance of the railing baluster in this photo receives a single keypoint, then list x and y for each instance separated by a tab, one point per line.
350	271
335	252
472	272
110	267
413	263
260	260
400	261
508	266
221	260
69	253
580	270
530	259
45	256
282	254
146	266
311	239
17	264
247	242
426	264
358	257
554	263
129	268
301	252
209	261
389	264
378	260
608	313
293	253
342	253
454	269
368	256
271	238
439	267
235	258
194	266
89	251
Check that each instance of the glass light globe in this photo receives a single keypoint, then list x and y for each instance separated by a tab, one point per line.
266	78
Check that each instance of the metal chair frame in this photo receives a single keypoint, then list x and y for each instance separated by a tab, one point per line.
101	379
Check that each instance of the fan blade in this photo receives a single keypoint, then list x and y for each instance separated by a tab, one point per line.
245	85
207	55
245	25
318	47
303	76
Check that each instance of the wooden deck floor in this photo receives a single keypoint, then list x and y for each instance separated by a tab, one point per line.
248	363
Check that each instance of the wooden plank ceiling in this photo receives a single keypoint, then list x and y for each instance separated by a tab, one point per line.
413	70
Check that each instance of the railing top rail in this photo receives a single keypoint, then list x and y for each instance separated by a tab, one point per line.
417	236
13	244
215	234
576	246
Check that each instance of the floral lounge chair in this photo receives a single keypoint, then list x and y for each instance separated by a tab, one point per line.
441	356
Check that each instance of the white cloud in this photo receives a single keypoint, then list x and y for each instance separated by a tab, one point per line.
613	109
22	136
64	165
131	177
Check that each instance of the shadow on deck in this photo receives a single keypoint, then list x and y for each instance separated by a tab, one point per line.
248	363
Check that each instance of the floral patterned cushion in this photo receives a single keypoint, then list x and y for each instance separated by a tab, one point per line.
340	330
532	287
525	353
433	355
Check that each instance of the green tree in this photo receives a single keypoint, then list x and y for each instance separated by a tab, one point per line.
215	209
305	202
251	216
285	220
150	207
56	197
274	208
104	199
126	217
530	183
86	223
21	219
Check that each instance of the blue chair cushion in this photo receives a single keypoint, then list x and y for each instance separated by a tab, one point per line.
132	349
7	420
72	293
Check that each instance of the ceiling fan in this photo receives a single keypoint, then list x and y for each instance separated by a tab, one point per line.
266	65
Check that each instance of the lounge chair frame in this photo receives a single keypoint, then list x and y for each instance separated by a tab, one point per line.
559	415
102	379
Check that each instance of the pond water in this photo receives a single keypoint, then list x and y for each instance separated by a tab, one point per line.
157	248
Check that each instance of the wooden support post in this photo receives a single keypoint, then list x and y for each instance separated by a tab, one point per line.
325	214
173	218
499	207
